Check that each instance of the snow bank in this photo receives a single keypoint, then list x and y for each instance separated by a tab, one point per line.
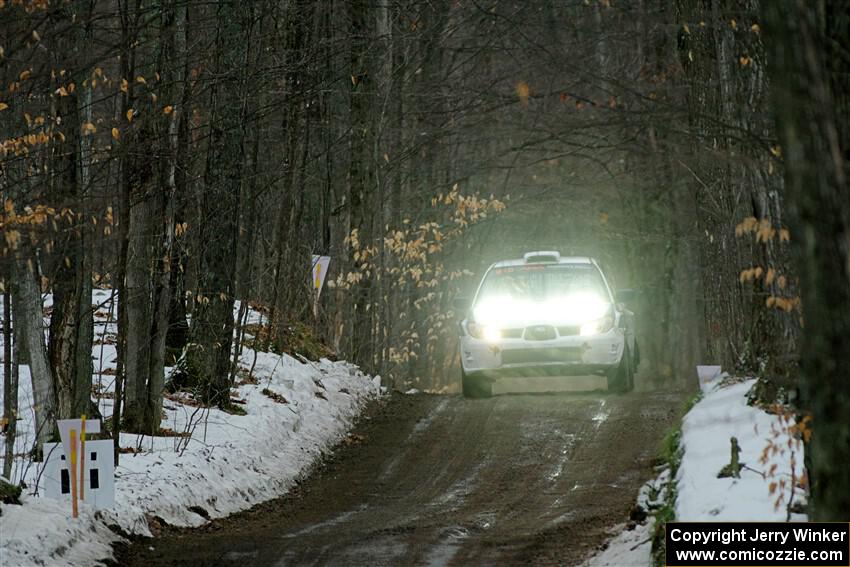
706	431
722	413
628	548
631	544
229	464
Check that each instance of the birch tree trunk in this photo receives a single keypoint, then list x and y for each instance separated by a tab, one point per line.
10	385
29	321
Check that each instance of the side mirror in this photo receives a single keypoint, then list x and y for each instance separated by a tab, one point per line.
625	295
461	304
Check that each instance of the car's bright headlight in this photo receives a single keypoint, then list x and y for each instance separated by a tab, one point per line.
597	327
490	333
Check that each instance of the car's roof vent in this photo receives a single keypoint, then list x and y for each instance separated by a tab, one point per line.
542	256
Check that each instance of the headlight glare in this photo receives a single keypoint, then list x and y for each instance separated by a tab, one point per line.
597	327
490	333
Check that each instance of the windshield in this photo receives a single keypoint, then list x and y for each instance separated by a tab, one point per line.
541	293
541	283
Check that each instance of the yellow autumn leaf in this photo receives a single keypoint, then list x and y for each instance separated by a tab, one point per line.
89	128
3	106
523	92
168	109
61	91
115	133
124	85
130	114
770	276
25	75
141	80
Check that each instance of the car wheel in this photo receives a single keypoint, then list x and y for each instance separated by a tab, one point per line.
636	357
475	386
621	379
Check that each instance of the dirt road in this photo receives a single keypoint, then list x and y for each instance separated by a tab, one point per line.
440	480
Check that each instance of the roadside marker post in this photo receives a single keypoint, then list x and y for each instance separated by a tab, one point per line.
83	457
709	376
73	472
90	479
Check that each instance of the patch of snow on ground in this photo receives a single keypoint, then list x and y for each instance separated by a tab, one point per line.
628	548
633	547
230	464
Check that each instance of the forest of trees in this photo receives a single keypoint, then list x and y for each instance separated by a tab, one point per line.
191	155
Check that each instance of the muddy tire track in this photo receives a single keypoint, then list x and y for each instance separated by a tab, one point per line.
441	480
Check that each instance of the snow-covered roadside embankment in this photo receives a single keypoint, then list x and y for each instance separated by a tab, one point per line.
765	486
768	449
230	463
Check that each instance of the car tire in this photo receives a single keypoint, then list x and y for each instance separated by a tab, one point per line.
621	378
475	386
636	357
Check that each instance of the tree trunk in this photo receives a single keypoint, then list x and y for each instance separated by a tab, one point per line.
811	82
72	323
10	384
212	317
177	334
29	320
362	176
151	235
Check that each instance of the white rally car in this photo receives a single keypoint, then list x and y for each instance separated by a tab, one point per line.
546	316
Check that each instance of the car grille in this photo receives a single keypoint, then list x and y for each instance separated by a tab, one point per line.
541	355
540	333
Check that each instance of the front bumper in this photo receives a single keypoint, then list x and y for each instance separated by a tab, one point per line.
562	356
